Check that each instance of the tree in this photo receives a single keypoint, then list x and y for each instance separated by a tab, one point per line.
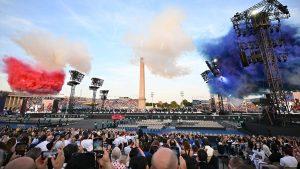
165	105
174	105
160	104
186	103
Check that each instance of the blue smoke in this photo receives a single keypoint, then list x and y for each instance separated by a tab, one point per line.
240	81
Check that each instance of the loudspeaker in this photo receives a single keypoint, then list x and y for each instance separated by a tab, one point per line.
3	96
244	59
24	106
55	106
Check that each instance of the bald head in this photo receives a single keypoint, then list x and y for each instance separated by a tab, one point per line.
22	162
164	158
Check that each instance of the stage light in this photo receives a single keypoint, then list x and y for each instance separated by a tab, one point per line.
205	75
215	60
254	12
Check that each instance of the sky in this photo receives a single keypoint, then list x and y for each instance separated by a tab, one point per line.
102	26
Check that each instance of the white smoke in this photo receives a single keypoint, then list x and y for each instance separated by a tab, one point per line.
163	43
53	53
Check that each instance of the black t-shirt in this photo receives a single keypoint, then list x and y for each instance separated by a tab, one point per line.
275	157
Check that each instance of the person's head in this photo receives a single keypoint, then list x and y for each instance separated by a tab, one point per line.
146	146
164	158
235	163
186	145
288	150
69	150
172	143
22	162
130	142
274	148
11	143
206	142
3	147
138	162
116	153
202	155
243	166
195	148
34	153
81	161
133	152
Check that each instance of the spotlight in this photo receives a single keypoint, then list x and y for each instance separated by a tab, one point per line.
254	12
205	75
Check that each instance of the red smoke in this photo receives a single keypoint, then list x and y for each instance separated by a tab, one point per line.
23	77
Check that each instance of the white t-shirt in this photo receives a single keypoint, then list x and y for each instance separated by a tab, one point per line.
67	142
43	145
119	140
266	150
59	144
87	144
288	161
209	150
35	140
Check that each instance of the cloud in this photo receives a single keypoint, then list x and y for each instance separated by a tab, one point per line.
162	44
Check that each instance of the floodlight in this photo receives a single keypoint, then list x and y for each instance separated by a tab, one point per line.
254	12
103	96
75	79
95	84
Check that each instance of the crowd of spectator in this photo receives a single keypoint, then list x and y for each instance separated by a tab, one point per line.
117	149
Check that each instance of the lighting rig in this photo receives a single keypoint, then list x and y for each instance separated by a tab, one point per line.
103	96
95	85
215	71
75	79
260	41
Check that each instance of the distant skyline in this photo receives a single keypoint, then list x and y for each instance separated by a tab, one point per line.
102	26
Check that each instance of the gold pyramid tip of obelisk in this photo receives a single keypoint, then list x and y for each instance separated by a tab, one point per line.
142	99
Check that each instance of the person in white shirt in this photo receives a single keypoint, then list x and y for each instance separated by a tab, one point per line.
288	160
208	149
266	148
127	149
43	145
120	139
258	156
87	143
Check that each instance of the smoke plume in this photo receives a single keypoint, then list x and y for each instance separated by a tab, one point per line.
162	44
53	53
238	81
23	77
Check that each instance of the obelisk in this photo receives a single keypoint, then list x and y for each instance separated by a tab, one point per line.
142	99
